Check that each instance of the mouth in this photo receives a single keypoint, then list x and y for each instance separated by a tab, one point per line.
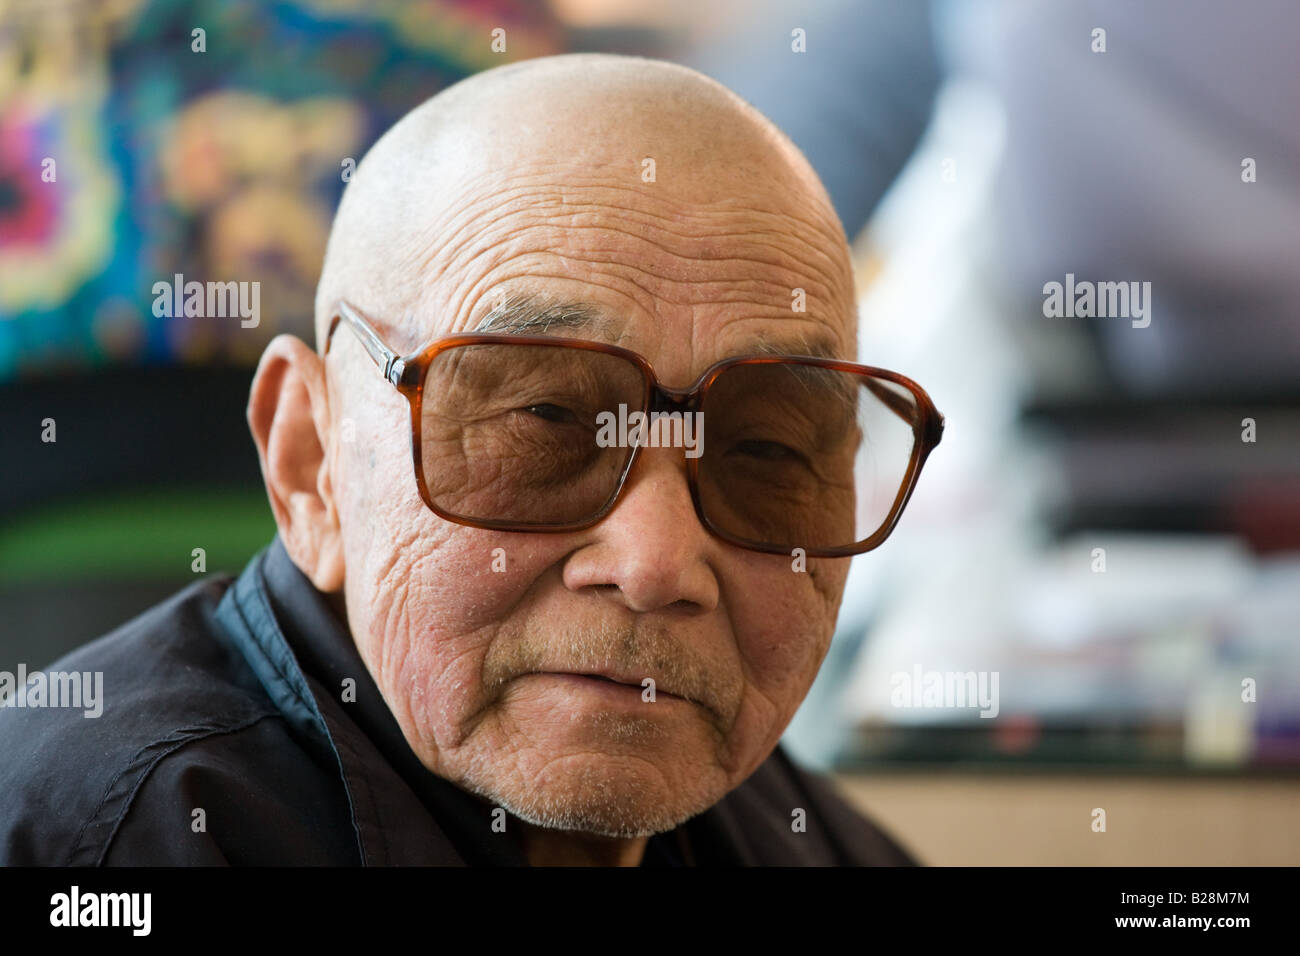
624	687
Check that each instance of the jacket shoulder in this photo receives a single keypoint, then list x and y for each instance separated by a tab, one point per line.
788	815
158	687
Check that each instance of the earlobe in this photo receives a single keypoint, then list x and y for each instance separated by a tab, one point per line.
288	414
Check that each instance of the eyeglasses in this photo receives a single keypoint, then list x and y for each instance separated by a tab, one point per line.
539	434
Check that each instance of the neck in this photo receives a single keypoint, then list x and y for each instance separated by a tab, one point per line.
545	847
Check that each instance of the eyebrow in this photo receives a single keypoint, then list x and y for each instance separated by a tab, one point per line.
816	346
531	315
534	315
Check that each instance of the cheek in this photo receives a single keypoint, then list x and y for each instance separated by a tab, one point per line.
784	620
426	599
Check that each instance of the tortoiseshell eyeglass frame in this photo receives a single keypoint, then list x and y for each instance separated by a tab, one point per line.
407	374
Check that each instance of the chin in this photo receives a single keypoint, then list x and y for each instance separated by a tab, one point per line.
606	795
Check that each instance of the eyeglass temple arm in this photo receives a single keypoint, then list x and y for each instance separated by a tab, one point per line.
379	353
901	407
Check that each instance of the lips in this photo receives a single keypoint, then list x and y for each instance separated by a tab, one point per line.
600	677
630	683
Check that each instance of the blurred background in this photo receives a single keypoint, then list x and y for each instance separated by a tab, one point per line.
1111	526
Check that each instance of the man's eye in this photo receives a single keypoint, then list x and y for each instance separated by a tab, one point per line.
766	450
551	413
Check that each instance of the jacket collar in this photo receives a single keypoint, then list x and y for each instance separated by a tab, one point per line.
302	654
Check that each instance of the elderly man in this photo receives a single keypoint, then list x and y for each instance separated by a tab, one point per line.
564	499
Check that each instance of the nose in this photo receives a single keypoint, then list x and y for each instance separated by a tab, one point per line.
650	553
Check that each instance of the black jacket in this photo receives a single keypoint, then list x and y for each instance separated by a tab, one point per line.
227	699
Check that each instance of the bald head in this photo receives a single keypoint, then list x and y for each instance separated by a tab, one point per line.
554	133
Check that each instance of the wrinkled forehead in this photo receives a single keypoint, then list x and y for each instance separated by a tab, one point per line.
577	252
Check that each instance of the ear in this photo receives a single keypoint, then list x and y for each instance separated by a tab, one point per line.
288	413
